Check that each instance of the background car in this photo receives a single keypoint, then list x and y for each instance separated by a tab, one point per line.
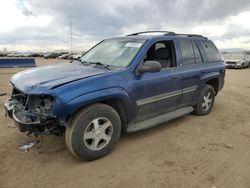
237	63
63	56
52	55
77	56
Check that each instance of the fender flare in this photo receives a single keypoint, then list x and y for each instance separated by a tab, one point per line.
210	76
81	101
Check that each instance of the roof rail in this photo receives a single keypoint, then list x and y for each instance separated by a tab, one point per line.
166	33
193	35
145	32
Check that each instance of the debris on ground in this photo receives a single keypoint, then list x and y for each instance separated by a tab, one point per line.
26	147
2	93
229	146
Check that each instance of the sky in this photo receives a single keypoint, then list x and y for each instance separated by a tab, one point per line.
44	25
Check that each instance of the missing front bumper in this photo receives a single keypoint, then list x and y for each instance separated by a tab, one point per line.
26	123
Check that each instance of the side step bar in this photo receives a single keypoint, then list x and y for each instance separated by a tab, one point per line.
148	123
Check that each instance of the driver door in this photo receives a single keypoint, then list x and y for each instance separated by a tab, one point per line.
159	92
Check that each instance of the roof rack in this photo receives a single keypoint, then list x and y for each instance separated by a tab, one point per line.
193	35
166	33
145	32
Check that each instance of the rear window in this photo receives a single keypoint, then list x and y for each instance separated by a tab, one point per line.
213	54
187	52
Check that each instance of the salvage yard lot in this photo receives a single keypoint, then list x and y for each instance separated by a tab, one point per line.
191	151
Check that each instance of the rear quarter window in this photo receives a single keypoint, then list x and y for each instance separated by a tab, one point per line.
212	52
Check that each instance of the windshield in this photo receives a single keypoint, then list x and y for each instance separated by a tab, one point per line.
114	52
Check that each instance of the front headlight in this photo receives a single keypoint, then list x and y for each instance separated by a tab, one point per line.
32	108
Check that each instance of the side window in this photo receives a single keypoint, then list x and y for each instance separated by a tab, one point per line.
187	52
213	54
197	53
162	52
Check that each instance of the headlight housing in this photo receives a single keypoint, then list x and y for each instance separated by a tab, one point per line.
41	104
32	108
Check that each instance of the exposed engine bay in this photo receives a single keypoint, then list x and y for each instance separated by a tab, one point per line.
32	113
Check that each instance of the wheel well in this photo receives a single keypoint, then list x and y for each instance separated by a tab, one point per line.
214	83
118	105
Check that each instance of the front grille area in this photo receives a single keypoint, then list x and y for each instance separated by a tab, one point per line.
230	62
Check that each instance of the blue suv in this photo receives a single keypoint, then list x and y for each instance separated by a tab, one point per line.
122	84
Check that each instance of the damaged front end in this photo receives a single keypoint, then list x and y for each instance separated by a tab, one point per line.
33	113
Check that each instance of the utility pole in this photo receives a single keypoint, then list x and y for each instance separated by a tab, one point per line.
71	36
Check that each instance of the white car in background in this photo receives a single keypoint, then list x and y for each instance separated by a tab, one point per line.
237	63
76	56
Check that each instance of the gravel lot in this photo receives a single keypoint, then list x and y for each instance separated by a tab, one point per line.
191	151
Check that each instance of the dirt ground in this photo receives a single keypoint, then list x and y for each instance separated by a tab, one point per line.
192	151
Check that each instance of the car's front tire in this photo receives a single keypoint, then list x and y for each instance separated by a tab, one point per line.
93	132
205	101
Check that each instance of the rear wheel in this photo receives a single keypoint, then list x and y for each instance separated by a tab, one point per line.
93	132
205	101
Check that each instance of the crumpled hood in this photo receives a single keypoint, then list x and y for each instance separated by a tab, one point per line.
51	76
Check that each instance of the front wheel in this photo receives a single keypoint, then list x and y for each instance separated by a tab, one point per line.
205	101
93	132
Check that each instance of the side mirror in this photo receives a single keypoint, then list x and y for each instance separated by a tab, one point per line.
150	66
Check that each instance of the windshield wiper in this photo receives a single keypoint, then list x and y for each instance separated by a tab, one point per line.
96	63
102	64
83	62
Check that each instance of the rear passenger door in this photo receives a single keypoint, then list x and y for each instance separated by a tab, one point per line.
191	70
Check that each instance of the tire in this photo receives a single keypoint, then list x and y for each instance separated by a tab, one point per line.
93	132
204	107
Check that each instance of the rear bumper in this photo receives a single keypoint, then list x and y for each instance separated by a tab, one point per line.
24	124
